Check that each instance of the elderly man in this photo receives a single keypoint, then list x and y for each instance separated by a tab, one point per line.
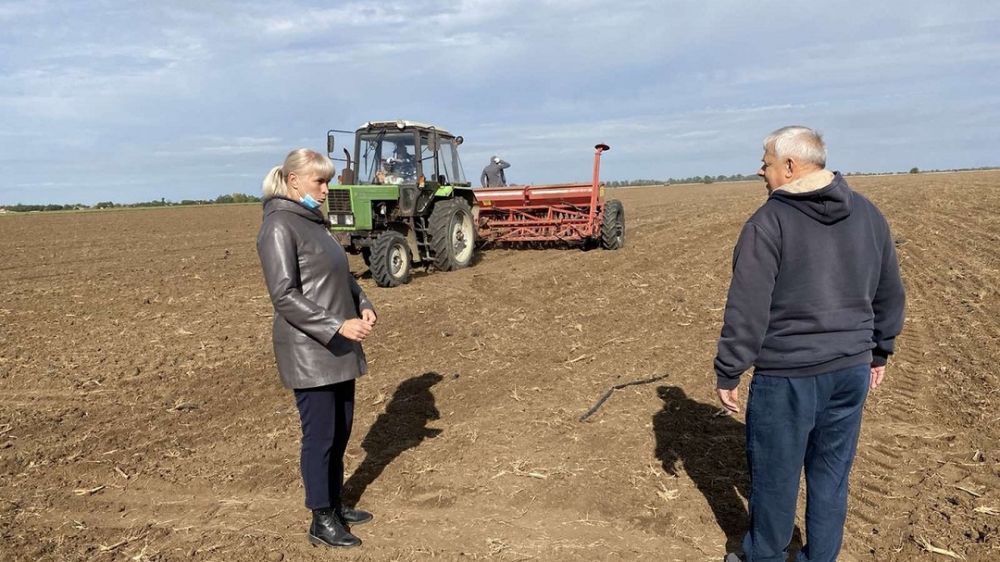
814	306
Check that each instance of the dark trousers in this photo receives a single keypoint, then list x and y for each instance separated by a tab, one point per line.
796	422
327	414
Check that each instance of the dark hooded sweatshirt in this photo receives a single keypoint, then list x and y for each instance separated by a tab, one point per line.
816	285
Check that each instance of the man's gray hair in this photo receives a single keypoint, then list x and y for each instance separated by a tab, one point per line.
800	143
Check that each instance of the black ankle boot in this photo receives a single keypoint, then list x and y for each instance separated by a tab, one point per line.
353	517
327	529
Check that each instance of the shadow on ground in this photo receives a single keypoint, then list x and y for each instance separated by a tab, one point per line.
402	426
711	450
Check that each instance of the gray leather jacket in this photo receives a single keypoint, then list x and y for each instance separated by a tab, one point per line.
313	293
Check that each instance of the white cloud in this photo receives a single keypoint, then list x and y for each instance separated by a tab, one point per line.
12	10
223	89
219	145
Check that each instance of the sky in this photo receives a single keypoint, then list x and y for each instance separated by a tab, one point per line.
131	101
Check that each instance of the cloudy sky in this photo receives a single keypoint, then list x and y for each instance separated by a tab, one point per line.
130	101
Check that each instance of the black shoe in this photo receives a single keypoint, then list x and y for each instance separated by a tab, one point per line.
328	530
353	517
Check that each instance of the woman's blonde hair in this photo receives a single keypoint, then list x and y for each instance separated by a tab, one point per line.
300	160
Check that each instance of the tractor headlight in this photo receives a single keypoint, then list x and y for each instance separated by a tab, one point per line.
342	219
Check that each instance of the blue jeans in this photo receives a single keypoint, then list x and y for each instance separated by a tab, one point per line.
796	422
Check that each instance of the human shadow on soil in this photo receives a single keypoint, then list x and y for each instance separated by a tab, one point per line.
402	426
712	450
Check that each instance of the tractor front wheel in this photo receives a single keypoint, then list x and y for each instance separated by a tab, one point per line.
613	225
390	260
452	233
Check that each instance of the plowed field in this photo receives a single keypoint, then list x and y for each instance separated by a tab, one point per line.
141	417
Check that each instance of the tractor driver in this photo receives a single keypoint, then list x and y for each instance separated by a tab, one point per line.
402	166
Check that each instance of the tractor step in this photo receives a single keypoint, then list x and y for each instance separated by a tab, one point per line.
424	247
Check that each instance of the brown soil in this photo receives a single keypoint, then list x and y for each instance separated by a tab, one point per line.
141	416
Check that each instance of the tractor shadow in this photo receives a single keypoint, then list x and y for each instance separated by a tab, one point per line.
711	448
402	426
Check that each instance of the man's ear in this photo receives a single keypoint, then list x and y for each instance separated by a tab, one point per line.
789	167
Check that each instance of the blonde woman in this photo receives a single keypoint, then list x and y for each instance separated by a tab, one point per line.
321	316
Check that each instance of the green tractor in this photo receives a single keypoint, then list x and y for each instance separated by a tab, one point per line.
403	200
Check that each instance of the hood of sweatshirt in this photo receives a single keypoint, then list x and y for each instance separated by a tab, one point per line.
823	196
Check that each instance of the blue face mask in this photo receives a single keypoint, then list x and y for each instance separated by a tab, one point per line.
309	203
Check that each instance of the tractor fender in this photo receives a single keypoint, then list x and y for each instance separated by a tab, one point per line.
449	192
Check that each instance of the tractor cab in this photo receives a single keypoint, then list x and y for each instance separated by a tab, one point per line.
403	153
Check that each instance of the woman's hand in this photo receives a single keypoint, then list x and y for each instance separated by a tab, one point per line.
355	329
368	315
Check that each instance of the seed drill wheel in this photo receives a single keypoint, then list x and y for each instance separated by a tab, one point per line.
390	259
613	225
453	236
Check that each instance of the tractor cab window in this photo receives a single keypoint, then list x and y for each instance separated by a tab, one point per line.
427	157
387	158
449	168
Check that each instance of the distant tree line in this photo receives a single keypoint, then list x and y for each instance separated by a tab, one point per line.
692	179
744	177
916	170
163	202
244	198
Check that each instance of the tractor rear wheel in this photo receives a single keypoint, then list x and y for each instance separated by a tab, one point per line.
390	259
452	234
613	225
